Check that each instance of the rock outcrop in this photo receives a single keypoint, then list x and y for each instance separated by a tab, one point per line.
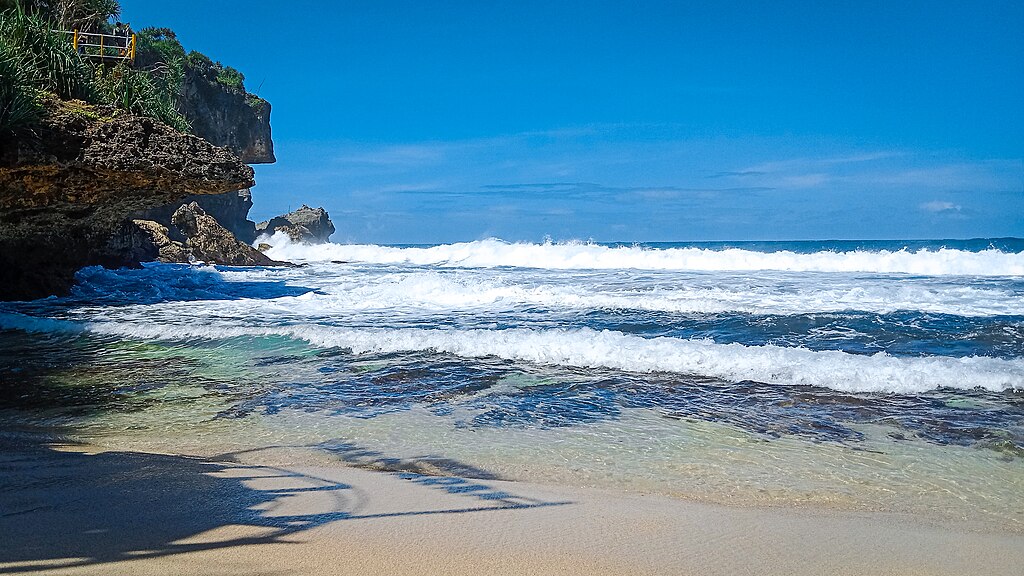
230	209
208	241
66	191
309	225
144	241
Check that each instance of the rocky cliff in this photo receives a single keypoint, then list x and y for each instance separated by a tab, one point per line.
230	117
66	191
227	116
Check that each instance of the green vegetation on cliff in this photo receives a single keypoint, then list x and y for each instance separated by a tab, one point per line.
84	15
37	62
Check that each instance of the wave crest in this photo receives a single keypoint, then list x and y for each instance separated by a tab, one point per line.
588	348
575	255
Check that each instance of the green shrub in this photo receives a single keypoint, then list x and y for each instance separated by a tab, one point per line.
19	107
84	15
215	71
199	61
228	76
154	45
50	61
255	102
140	92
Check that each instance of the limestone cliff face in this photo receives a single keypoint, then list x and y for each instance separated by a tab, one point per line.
65	192
228	117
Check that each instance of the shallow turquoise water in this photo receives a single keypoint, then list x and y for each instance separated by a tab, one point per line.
791	380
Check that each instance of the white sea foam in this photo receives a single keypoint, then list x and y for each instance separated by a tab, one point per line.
433	291
589	348
568	256
414	290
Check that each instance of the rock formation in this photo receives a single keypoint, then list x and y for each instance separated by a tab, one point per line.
310	225
230	209
208	241
144	241
227	116
67	190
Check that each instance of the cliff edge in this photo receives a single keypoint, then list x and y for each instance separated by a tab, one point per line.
65	191
227	116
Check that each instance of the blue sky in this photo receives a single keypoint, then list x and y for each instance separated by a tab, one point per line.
422	122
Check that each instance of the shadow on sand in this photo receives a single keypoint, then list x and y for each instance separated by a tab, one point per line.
62	507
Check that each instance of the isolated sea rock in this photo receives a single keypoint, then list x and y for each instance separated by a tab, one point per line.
68	188
309	225
212	243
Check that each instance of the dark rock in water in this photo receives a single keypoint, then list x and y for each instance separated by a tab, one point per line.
227	116
230	209
212	243
69	187
310	225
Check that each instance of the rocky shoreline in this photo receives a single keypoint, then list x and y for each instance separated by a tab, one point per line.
95	186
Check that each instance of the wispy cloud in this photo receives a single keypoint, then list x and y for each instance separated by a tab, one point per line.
396	156
806	163
596	181
940	206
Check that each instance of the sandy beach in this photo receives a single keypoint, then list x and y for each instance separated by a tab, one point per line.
534	288
70	509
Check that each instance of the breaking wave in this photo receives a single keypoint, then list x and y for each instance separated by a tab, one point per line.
588	348
578	255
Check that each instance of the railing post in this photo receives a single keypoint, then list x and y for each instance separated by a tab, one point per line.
133	48
103	54
75	40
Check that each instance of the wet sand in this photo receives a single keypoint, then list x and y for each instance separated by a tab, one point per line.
72	509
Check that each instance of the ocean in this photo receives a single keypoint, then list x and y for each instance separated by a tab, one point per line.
873	375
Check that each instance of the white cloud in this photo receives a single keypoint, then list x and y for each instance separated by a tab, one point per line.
940	206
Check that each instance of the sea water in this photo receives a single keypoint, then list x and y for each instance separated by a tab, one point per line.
860	375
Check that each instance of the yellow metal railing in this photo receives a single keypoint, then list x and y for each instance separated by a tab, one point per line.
104	47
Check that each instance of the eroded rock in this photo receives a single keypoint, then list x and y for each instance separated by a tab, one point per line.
158	236
309	225
230	209
210	242
227	116
66	190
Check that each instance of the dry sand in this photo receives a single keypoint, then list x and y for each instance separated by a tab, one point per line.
65	510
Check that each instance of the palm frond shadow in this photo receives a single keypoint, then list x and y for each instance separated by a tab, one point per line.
64	508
